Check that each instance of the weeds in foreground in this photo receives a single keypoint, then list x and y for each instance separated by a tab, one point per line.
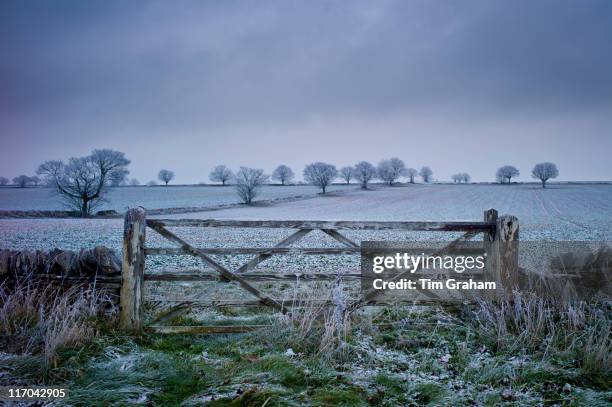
39	321
525	352
561	329
312	326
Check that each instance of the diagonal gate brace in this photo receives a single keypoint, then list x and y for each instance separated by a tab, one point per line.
340	237
215	266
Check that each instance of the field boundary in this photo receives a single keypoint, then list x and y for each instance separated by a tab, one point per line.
113	214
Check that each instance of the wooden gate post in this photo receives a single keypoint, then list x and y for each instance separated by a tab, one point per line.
132	269
501	246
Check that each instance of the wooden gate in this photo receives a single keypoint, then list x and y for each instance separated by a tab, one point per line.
500	238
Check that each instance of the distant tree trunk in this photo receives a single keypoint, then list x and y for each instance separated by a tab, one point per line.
323	187
283	182
85	207
543	183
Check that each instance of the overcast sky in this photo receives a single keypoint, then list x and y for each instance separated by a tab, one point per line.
459	86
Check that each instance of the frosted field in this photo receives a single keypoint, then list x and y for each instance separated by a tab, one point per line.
152	197
564	212
568	212
560	212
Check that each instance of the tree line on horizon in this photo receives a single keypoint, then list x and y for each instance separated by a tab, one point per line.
82	182
388	171
322	174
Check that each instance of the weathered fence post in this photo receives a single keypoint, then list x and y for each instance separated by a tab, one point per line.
501	246
490	216
132	269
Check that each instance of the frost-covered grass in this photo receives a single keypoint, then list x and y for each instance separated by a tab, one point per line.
36	323
401	356
158	197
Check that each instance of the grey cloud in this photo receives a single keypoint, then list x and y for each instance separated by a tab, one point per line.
200	71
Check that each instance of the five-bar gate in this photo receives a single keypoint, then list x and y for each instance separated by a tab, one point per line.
500	238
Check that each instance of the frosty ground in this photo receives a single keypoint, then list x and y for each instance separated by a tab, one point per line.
410	356
560	212
398	356
155	197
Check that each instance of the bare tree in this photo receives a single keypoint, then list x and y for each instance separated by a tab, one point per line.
411	173
22	181
456	178
221	174
248	183
426	174
320	174
544	172
165	176
4	181
347	174
83	181
391	170
134	182
119	177
364	173
506	173
283	174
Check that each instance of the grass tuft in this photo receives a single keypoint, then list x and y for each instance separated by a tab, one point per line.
40	322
